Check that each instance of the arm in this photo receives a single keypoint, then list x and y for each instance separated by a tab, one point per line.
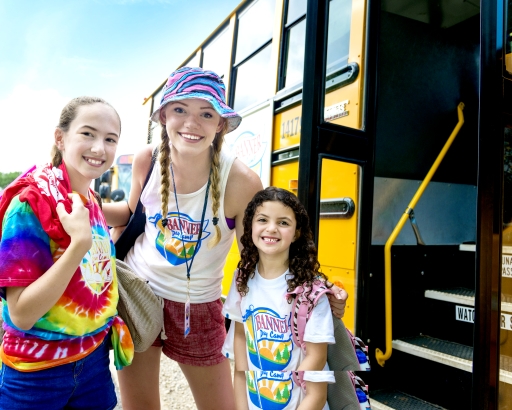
240	365
118	214
28	304
316	396
242	184
316	357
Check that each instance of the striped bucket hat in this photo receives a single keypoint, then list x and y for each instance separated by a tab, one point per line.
194	82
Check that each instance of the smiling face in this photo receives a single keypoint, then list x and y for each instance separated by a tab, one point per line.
191	125
88	147
273	229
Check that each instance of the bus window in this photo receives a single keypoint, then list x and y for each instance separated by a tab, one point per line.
255	26
193	61
216	54
344	65
252	80
295	37
296	9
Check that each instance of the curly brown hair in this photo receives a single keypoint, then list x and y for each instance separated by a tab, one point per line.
302	261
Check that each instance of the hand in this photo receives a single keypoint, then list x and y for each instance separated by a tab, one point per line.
76	224
338	301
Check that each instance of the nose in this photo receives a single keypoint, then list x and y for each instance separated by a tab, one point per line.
271	227
192	122
98	147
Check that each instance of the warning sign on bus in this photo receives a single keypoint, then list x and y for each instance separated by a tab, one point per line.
506	265
464	314
467	314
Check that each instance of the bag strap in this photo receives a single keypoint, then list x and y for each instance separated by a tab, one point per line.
138	208
302	306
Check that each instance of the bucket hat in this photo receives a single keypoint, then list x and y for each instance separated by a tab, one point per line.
194	82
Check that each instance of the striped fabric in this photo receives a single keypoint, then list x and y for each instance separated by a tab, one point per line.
194	82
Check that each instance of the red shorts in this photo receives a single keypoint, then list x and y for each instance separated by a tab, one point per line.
203	345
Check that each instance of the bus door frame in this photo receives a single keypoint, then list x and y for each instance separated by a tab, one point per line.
321	140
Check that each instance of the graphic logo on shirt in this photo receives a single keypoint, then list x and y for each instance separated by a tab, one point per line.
269	390
171	244
268	337
249	148
96	266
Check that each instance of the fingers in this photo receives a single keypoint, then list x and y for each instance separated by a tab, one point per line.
61	210
338	304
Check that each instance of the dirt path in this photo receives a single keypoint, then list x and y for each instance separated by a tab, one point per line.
174	391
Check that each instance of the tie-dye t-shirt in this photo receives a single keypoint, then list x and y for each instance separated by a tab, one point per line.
84	314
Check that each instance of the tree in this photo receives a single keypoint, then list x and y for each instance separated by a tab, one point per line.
7	178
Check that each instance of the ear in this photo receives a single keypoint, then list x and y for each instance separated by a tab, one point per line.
221	124
59	139
161	116
297	235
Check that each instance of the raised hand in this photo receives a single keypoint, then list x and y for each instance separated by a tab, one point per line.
76	224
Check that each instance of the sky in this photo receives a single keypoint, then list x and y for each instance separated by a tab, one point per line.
120	50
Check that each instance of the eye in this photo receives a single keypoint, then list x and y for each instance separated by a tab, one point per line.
284	223
87	134
207	115
179	110
261	220
113	140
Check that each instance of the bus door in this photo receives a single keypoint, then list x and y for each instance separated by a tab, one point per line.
425	80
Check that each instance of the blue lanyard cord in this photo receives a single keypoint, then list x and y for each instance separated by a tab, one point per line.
189	267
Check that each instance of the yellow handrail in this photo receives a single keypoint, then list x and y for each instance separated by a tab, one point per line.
379	354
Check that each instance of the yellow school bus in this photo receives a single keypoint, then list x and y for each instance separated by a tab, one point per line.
377	114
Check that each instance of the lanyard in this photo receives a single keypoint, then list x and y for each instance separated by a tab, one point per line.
189	267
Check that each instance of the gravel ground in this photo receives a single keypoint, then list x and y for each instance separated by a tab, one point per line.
174	391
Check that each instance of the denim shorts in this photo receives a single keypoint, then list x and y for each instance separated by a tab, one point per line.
84	384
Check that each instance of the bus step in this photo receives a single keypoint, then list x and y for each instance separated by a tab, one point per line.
437	350
464	296
396	400
456	295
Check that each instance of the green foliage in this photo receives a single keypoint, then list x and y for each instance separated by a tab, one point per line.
7	178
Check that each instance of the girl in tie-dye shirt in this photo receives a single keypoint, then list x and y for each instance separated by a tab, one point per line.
57	273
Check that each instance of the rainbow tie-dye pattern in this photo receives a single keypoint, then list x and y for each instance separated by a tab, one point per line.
78	323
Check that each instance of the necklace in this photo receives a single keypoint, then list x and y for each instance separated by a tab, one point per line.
189	266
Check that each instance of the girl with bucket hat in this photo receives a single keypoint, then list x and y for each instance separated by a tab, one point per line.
194	202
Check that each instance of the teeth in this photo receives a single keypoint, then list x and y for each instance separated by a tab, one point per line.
94	162
270	240
190	137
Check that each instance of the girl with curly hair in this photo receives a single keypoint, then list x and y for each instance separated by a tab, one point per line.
278	256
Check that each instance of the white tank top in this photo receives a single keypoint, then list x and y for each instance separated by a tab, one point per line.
162	262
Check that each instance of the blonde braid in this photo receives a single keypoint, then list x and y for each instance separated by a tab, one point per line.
164	158
215	184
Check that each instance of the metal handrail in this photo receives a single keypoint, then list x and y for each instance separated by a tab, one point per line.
379	354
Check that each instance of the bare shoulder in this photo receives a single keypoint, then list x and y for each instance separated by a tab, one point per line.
242	184
141	164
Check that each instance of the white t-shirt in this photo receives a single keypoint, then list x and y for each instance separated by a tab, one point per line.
271	352
270	390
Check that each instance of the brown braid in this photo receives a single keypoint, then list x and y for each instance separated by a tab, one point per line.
56	156
164	158
215	183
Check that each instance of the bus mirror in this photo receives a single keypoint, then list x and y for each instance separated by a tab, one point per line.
117	195
106	177
104	191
